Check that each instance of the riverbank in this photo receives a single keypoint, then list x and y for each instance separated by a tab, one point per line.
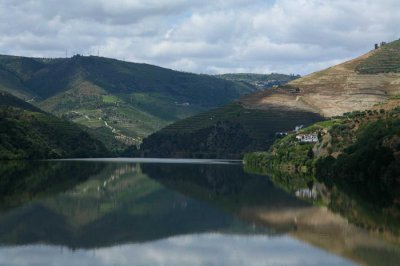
357	157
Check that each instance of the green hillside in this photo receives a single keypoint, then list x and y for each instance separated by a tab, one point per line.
385	59
7	100
225	132
129	100
28	133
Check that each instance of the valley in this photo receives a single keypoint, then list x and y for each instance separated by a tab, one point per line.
175	133
119	102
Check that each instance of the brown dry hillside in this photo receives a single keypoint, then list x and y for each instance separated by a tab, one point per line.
357	84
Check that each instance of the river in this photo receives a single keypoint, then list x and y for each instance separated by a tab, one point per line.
169	212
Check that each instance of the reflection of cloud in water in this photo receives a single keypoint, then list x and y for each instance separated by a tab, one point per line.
204	249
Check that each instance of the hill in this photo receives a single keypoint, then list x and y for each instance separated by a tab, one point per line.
26	132
225	132
8	100
387	60
126	101
259	115
355	85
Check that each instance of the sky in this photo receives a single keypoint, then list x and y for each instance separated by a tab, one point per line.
201	36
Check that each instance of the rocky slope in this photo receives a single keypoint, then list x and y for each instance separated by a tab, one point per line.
355	85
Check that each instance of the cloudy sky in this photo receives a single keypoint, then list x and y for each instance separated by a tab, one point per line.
202	36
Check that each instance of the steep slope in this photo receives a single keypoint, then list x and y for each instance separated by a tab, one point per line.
358	84
225	132
15	72
331	92
386	61
26	132
128	100
8	100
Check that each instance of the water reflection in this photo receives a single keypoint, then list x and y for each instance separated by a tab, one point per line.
204	249
118	204
338	226
22	181
108	213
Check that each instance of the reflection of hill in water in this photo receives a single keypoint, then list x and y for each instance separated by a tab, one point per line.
23	181
225	186
116	205
111	203
257	199
339	230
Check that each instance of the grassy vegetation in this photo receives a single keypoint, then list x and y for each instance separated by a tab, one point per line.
287	155
395	97
110	99
385	60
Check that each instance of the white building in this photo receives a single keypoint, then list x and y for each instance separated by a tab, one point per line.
307	138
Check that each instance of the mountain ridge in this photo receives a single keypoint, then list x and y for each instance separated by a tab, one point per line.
304	101
124	101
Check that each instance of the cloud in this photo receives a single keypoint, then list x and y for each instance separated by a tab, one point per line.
201	35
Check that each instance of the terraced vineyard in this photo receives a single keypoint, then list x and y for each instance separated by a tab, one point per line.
232	128
356	85
253	120
385	60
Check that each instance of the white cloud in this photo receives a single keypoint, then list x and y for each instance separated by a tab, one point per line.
201	36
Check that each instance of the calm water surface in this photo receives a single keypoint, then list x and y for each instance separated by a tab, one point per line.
168	212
